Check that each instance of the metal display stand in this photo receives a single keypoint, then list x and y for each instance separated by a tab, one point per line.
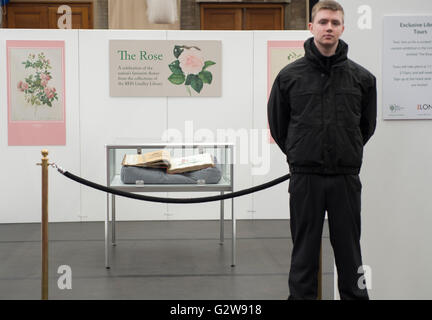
114	154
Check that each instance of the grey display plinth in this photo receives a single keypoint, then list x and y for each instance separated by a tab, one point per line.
224	152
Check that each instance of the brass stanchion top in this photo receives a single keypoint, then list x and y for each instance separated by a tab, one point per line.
44	153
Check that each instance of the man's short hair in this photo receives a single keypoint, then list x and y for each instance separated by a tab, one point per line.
326	4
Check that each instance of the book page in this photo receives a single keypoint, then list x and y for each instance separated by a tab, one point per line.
191	163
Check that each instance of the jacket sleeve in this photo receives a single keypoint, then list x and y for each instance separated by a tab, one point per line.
369	112
278	112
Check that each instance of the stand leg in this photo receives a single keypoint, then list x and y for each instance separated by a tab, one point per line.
113	210
107	260
222	220
320	275
233	220
44	223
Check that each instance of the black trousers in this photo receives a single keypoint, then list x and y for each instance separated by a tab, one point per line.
311	195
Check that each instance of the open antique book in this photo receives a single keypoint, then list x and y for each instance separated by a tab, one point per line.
162	159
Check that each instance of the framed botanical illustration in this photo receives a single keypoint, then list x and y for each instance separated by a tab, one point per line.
279	54
36	92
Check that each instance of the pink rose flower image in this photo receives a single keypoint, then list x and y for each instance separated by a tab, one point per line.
191	61
45	77
49	92
22	86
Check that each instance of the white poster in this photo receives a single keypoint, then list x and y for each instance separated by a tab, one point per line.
407	67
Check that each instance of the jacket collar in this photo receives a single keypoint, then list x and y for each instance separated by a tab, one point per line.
313	55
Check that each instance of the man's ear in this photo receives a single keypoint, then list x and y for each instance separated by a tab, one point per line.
310	25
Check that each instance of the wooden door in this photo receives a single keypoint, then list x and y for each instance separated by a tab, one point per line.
40	14
28	17
263	19
221	19
242	16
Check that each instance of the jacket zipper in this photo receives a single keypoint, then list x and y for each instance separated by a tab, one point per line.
323	119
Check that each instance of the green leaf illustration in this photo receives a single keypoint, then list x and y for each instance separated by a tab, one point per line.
177	78
197	84
175	67
177	51
189	79
207	64
205	76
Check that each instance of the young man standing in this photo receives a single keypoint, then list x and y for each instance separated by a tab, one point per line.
322	111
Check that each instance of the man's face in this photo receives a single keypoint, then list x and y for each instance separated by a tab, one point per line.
327	27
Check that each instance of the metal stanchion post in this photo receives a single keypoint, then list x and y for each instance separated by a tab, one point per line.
44	165
320	275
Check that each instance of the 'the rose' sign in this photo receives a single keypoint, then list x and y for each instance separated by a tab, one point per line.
144	68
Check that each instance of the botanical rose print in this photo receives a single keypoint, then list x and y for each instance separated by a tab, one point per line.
35	86
191	61
189	68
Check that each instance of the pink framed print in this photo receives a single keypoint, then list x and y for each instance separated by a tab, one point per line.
279	54
36	92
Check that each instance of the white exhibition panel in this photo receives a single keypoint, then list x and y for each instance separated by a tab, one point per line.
118	120
20	189
396	174
272	203
208	116
95	119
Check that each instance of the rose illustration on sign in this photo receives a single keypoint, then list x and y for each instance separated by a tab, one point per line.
35	86
292	56
190	68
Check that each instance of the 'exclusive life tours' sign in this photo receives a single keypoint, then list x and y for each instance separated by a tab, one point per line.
165	68
407	67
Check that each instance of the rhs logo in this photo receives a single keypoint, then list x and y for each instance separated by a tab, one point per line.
395	108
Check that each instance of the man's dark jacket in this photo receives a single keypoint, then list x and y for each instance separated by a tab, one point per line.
322	111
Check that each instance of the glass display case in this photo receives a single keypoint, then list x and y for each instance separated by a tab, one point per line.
222	152
216	178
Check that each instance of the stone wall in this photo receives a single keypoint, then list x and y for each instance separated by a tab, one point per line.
100	14
132	14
